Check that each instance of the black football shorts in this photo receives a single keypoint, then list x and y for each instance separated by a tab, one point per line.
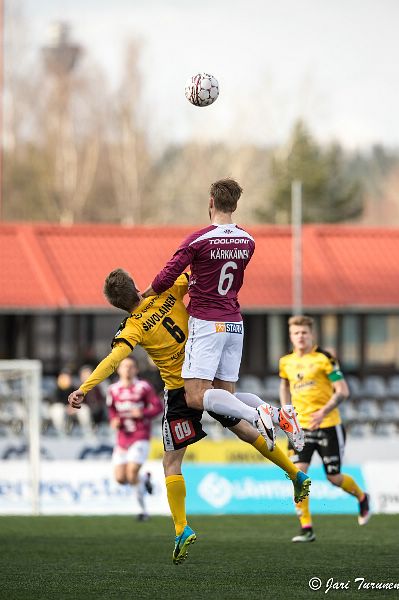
328	442
181	425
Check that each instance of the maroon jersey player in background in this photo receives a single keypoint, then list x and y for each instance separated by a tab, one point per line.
132	404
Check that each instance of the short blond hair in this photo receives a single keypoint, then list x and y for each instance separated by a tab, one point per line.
300	321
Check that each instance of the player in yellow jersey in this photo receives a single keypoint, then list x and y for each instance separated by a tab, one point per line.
160	325
312	381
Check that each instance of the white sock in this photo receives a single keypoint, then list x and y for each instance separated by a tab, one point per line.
140	493
224	403
249	399
254	401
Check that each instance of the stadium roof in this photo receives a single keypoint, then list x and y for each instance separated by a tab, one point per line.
55	267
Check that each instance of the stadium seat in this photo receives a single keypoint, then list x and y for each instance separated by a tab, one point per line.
271	387
374	386
360	430
390	411
348	412
250	383
386	429
49	385
368	411
354	384
393	386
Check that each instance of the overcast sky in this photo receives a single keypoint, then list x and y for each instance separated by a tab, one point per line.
333	62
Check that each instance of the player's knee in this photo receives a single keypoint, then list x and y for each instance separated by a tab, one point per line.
335	479
132	476
172	461
195	400
122	479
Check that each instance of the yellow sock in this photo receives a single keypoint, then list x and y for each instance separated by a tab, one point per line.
350	486
277	456
176	492
303	512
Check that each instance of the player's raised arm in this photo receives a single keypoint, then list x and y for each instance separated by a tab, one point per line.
148	292
181	285
103	370
173	268
120	291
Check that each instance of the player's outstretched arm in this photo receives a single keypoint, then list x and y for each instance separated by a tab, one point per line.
76	398
103	370
174	267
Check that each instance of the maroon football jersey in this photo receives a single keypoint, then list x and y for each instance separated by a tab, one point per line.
121	400
218	256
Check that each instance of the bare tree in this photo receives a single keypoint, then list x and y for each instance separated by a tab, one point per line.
128	152
71	124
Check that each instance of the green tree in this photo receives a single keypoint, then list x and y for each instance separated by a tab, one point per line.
330	193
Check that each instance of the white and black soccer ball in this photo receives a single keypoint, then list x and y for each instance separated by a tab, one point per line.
202	89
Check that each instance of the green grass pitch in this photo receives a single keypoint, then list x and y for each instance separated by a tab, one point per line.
234	557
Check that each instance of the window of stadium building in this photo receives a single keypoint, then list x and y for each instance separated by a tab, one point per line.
104	329
276	340
350	354
329	333
382	341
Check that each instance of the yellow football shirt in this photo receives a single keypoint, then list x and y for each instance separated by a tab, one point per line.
311	378
160	325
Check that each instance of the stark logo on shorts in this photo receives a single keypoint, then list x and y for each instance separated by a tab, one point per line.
228	327
182	430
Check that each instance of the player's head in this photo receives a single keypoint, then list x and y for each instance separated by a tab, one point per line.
84	372
301	332
224	195
128	369
120	290
64	379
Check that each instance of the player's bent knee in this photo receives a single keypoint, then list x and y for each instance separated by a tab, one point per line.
195	401
132	474
335	479
133	479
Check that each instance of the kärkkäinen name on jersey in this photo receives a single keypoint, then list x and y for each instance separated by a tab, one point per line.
230	254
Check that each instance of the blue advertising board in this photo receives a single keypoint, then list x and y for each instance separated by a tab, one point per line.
258	489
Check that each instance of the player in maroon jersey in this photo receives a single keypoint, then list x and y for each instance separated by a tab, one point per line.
218	256
132	404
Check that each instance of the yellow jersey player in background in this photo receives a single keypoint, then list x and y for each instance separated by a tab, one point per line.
312	381
160	325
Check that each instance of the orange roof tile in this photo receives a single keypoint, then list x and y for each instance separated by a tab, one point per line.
57	267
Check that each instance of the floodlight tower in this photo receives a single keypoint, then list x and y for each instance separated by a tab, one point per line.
60	57
60	54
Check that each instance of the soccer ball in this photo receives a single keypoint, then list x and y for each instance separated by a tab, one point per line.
202	89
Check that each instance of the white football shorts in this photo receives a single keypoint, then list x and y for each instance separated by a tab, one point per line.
136	453
213	349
